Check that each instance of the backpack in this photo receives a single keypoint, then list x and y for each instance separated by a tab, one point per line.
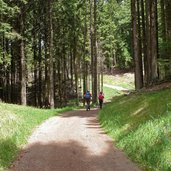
87	95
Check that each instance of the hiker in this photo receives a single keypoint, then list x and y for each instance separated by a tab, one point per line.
87	97
101	97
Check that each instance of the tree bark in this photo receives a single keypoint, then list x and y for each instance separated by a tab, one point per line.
154	44
23	62
135	44
51	81
95	55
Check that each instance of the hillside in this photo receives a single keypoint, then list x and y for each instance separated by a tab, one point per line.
16	125
140	125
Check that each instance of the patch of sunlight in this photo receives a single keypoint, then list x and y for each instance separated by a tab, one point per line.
138	111
125	127
7	117
166	156
8	121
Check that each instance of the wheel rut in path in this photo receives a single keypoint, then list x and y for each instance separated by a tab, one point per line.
72	141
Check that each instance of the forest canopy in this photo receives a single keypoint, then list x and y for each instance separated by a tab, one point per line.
51	49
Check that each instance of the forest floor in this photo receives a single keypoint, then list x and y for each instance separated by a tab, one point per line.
72	141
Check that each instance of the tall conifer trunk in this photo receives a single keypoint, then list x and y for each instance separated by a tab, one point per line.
94	79
51	79
135	45
154	43
91	44
23	62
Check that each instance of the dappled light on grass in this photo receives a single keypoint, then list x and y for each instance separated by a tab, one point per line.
140	125
138	111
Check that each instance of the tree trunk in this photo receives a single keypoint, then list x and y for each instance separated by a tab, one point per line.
168	26
163	19
51	81
144	42
40	100
148	39
154	44
23	63
136	50
91	44
95	54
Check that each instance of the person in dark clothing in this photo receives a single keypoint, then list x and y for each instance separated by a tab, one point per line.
87	97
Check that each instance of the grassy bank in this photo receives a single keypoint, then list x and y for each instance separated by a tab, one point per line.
123	80
110	93
141	126
16	124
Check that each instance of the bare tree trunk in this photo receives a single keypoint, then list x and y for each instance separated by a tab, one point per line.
51	78
154	44
35	70
95	55
148	39
144	42
40	97
136	50
163	19
23	63
168	26
91	44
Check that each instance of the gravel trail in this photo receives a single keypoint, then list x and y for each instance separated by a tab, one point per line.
72	141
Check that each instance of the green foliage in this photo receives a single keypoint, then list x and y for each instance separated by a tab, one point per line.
164	48
114	32
8	12
16	124
140	125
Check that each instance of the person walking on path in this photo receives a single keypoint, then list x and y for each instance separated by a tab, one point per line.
87	97
101	97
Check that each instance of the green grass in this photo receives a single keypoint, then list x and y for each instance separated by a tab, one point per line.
110	93
124	80
16	124
140	124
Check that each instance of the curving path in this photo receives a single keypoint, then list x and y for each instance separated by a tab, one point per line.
72	141
115	87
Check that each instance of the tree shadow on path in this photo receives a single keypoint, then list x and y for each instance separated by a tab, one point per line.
69	156
86	150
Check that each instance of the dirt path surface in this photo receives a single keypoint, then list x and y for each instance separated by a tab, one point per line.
115	87
72	141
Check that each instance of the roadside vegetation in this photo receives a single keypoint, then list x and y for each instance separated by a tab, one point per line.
140	125
16	124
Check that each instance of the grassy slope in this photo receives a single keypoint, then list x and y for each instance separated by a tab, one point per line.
16	124
123	80
141	126
110	93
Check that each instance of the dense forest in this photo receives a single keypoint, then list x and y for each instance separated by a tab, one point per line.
53	51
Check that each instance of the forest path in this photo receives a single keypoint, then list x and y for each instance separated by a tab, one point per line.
115	87
72	141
